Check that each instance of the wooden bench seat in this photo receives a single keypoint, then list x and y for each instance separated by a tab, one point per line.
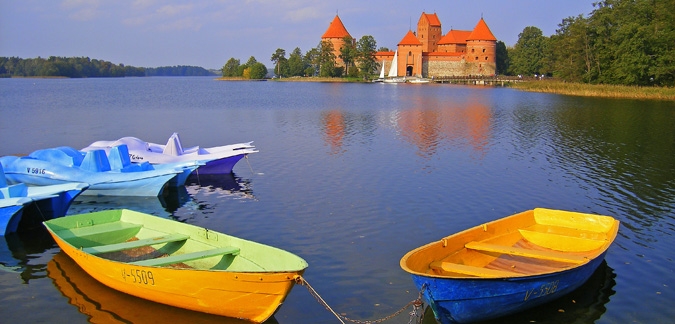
135	244
95	230
471	270
537	254
177	258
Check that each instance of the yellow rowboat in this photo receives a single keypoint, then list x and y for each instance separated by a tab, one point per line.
510	264
104	305
178	264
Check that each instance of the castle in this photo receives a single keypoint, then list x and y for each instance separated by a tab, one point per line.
428	53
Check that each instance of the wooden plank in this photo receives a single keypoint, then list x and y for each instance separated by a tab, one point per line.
537	254
177	258
97	229
471	270
135	244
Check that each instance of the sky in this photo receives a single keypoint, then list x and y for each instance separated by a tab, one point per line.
207	33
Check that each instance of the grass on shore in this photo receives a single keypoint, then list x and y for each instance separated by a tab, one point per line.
597	90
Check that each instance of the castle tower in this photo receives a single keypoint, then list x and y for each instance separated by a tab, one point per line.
481	49
334	34
429	31
410	55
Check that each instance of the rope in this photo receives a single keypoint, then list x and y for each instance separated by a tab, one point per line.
249	164
415	313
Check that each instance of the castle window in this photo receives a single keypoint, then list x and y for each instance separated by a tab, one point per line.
473	50
483	50
486	58
476	58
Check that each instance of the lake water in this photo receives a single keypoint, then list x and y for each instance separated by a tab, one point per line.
351	177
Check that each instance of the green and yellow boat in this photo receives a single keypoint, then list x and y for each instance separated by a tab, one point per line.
179	264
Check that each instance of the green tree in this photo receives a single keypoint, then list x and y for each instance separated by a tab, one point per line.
296	64
348	51
312	61
365	49
277	57
326	60
527	55
230	69
258	71
502	57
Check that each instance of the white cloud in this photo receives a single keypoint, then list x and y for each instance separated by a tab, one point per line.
172	10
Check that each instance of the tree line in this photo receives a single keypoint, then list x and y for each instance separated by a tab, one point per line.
84	67
358	57
623	42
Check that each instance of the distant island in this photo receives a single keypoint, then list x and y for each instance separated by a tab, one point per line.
84	67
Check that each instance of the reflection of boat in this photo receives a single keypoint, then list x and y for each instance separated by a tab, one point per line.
22	252
179	264
510	264
392	76
48	201
215	160
112	176
223	184
164	205
106	305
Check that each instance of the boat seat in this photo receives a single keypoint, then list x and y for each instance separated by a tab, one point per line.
135	244
173	146
112	229
536	254
95	161
177	258
14	191
471	270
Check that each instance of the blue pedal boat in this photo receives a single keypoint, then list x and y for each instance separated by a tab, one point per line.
50	201
112	175
214	160
509	265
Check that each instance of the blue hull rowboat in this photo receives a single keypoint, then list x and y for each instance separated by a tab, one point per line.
509	265
213	160
49	201
111	176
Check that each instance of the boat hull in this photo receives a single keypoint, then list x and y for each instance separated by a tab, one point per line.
35	172
510	264
221	288
467	301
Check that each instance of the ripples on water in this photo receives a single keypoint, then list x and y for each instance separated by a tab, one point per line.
352	176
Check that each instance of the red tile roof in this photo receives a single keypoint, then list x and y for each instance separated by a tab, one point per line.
455	37
336	29
482	32
410	39
433	19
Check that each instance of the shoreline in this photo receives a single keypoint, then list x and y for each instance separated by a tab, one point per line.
544	86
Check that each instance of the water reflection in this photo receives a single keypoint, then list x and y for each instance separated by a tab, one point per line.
584	305
624	156
24	252
220	185
164	205
106	305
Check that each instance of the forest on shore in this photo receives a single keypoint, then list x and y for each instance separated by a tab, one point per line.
84	67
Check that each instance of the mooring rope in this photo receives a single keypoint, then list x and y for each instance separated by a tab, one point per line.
249	163
415	313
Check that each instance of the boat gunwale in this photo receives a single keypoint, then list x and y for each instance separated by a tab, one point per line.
611	233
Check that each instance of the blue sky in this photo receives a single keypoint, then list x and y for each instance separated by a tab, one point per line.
152	33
